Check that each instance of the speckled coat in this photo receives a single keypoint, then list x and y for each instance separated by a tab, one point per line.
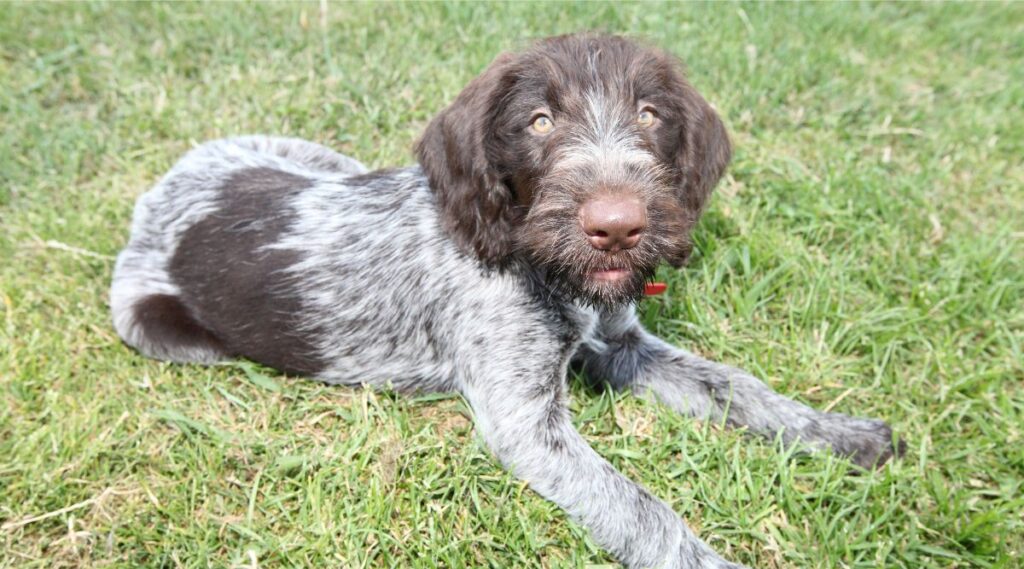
287	253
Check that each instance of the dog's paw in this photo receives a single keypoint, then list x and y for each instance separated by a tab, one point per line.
868	443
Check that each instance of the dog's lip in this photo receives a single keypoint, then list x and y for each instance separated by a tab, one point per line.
614	274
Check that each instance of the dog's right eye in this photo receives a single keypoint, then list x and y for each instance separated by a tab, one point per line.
543	124
645	118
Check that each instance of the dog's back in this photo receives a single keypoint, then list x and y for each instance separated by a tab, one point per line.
181	219
292	255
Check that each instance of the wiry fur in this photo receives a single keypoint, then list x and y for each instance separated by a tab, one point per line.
469	272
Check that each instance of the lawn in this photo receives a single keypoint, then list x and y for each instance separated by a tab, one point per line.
864	254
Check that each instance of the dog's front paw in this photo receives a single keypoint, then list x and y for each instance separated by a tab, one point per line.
868	443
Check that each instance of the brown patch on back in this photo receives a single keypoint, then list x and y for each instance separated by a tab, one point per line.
239	289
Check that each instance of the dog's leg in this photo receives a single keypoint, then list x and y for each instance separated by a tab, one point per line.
625	355
520	410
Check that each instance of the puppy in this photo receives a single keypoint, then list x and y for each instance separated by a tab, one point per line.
544	198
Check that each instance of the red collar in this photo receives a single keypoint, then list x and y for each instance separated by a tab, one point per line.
654	289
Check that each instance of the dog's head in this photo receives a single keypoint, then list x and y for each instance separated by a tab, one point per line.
590	157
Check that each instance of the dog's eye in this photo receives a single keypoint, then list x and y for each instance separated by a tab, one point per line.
645	118
543	124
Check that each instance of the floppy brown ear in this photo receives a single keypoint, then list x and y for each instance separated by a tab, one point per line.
476	207
704	150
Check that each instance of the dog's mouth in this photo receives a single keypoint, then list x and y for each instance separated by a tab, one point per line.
612	284
611	275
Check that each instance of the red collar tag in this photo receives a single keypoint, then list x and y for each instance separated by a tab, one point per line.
654	289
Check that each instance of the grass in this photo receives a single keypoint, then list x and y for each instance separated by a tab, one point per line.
864	254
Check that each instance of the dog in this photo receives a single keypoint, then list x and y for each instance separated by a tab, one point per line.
543	200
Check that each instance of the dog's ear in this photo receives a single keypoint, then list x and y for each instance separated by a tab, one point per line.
476	206
704	150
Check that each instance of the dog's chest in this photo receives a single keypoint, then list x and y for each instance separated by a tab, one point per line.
579	325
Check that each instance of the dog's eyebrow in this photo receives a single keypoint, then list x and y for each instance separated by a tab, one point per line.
553	96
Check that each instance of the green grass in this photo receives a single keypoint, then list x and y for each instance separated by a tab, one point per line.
864	254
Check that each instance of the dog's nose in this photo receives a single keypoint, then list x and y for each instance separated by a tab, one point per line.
614	223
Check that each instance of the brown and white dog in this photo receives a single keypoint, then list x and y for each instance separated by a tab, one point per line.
544	198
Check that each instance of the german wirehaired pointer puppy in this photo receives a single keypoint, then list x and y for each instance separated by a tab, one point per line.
544	198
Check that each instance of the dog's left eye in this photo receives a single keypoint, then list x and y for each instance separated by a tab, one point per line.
543	124
645	118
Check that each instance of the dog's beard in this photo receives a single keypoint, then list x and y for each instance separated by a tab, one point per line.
585	287
572	268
